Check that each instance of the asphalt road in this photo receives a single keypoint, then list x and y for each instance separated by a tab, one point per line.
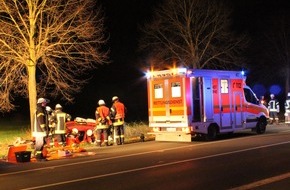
240	161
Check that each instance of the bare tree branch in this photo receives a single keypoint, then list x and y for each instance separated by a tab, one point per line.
48	48
195	33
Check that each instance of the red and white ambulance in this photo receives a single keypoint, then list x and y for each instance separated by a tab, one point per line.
184	103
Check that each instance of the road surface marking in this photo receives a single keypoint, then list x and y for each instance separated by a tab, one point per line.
268	180
262	182
142	153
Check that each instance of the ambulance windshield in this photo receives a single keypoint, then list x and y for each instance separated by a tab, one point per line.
250	96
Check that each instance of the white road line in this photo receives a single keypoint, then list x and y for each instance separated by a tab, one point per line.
263	182
135	154
268	180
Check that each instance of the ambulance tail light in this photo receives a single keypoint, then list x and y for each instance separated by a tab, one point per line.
186	129
156	129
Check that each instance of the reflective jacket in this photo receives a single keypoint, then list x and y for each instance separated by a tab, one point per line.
59	119
39	126
273	105
118	113
118	110
102	117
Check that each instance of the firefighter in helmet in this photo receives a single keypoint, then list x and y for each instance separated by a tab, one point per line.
118	115
39	128
102	123
59	118
274	109
49	130
287	109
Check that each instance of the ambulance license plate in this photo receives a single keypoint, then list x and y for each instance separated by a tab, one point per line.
171	129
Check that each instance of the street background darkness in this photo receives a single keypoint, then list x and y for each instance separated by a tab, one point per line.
124	77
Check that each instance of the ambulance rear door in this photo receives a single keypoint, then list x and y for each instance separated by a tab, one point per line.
167	106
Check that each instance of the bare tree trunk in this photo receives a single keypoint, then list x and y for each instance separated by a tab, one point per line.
32	91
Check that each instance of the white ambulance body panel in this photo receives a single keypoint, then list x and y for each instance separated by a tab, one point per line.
183	103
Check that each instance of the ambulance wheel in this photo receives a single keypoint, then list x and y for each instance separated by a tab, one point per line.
261	125
212	132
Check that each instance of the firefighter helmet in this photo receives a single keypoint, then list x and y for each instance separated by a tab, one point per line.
48	109
75	131
42	100
89	132
101	102
115	98
58	106
272	96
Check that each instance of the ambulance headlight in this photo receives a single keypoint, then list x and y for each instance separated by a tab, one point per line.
89	132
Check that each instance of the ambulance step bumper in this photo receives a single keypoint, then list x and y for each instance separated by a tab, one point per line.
172	136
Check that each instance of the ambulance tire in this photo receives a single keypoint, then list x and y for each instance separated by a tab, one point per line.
261	125
212	132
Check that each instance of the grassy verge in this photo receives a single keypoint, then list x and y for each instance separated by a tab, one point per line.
11	130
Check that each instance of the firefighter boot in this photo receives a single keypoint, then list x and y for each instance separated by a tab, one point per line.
39	157
99	143
121	140
106	143
118	141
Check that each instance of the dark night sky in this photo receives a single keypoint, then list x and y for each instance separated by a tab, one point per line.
123	77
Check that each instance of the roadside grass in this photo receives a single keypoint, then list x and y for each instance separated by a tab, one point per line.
11	130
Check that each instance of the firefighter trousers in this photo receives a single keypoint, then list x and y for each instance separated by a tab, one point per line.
39	144
102	136
119	137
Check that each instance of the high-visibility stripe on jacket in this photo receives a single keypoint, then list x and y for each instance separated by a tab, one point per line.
100	126
60	118
273	105
39	122
287	106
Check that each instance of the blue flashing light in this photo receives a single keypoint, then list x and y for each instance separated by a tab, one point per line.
243	73
275	89
259	90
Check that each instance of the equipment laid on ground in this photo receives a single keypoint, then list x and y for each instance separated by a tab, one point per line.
185	103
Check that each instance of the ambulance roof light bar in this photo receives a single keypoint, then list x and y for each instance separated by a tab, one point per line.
166	73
